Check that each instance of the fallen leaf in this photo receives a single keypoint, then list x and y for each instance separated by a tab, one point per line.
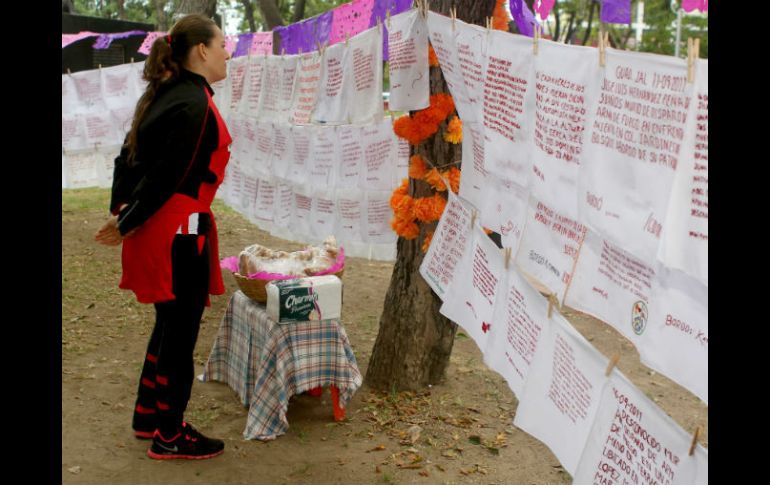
440	467
449	454
424	473
476	440
377	469
377	448
412	466
414	433
74	469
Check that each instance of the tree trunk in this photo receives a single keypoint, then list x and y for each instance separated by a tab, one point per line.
415	341
121	9
557	30
205	7
270	13
248	10
299	11
570	28
68	7
160	14
590	21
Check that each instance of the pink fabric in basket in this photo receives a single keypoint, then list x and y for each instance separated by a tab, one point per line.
231	263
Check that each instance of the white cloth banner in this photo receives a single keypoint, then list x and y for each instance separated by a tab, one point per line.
351	156
633	441
441	30
270	100
248	154
118	87
121	120
302	207
519	321
263	148
504	210
366	65
300	142
221	96
101	129
280	156
249	196
83	169
378	144
401	170
408	62
377	218
283	208
675	342
306	85
350	204
70	101
549	246
612	285
509	103
324	160
288	79
474	177
685	240
566	82
237	74
333	98
252	86
73	132
452	235
470	299
264	206
562	391
472	42
88	85
635	131
323	214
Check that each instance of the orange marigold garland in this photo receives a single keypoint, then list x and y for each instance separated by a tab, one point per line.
426	242
434	179
417	167
432	57
454	132
453	175
424	123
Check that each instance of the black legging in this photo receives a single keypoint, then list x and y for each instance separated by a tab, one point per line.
169	369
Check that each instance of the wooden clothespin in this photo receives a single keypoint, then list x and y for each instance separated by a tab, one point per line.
387	18
300	50
693	53
613	362
473	219
551	298
100	67
69	73
283	51
453	15
535	39
603	41
694	441
132	60
507	252
347	39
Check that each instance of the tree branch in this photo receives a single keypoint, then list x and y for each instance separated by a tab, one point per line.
270	13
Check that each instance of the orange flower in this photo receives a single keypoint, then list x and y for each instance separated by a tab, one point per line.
426	242
454	132
405	229
417	167
424	123
487	231
404	208
500	16
439	204
424	209
432	57
434	179
453	175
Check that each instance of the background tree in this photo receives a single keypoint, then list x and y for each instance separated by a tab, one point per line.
415	341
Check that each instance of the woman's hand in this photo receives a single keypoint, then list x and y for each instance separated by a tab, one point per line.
109	234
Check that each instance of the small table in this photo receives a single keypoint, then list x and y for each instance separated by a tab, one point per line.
267	362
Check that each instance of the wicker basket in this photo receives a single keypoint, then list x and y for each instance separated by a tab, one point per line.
256	289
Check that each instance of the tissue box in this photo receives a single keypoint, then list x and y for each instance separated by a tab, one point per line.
301	299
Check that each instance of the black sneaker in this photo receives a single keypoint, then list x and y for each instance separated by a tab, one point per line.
187	444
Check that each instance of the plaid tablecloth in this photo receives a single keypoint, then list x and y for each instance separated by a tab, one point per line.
266	363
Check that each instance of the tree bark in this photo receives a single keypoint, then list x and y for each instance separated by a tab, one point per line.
299	11
248	10
590	21
205	7
557	30
270	13
160	14
415	341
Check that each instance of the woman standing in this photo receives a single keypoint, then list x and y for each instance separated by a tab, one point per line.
165	179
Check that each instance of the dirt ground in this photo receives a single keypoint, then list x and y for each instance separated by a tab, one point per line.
465	431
